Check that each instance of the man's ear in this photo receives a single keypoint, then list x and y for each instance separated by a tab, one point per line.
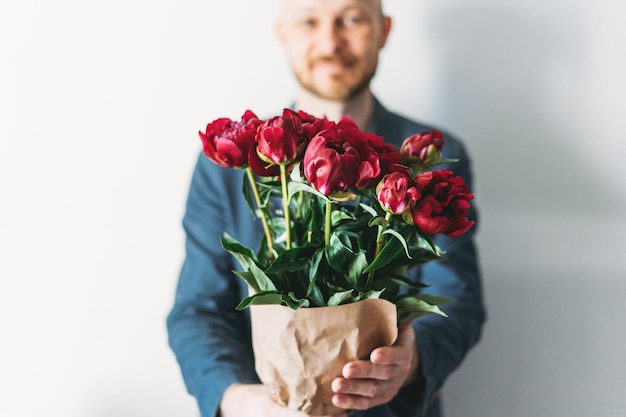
385	29
279	30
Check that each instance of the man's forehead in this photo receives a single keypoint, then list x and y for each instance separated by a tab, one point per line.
321	5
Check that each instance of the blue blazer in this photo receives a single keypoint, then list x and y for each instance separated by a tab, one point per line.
212	341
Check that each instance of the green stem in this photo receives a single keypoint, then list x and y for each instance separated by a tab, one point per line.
379	246
283	181
255	191
327	224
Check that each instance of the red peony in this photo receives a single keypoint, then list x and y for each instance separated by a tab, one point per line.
444	204
369	169
312	125
331	159
280	139
387	155
227	142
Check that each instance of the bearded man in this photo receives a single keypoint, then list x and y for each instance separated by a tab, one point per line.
333	48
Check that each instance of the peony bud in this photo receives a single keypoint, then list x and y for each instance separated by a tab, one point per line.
397	192
422	149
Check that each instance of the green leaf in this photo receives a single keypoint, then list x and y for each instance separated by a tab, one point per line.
339	297
356	269
315	262
371	294
243	254
264	282
316	296
294	187
339	256
389	253
410	308
432	299
426	242
337	216
292	301
263	188
400	239
250	279
313	272
369	209
420	256
248	195
272	297
405	282
270	184
265	297
254	275
379	221
277	224
291	260
355	224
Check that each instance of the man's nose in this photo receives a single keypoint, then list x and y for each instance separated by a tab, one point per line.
330	38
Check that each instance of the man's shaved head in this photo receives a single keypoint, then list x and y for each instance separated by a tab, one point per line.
333	45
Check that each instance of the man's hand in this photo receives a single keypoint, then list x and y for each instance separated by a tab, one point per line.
242	400
366	384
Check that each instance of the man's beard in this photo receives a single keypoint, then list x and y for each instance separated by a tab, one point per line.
345	92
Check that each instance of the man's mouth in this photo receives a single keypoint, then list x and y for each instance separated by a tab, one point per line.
334	63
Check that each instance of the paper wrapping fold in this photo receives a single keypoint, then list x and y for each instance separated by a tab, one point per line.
299	352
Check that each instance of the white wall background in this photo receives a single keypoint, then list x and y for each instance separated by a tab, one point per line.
100	103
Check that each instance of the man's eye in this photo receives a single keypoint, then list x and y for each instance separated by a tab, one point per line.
308	22
352	20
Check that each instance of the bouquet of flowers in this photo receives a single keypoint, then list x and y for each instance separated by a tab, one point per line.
345	216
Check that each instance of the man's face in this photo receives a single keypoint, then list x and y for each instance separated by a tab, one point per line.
333	45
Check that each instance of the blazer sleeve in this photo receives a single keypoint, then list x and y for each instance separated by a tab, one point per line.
210	339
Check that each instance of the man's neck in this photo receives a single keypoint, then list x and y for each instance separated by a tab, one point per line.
359	108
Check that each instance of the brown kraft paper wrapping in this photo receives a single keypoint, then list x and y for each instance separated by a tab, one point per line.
299	352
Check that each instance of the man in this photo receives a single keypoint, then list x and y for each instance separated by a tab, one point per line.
333	47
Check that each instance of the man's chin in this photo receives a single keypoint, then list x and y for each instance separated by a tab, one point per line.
335	88
332	95
331	91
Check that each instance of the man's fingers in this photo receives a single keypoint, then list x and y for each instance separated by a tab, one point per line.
364	400
352	402
390	355
368	383
369	370
363	387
